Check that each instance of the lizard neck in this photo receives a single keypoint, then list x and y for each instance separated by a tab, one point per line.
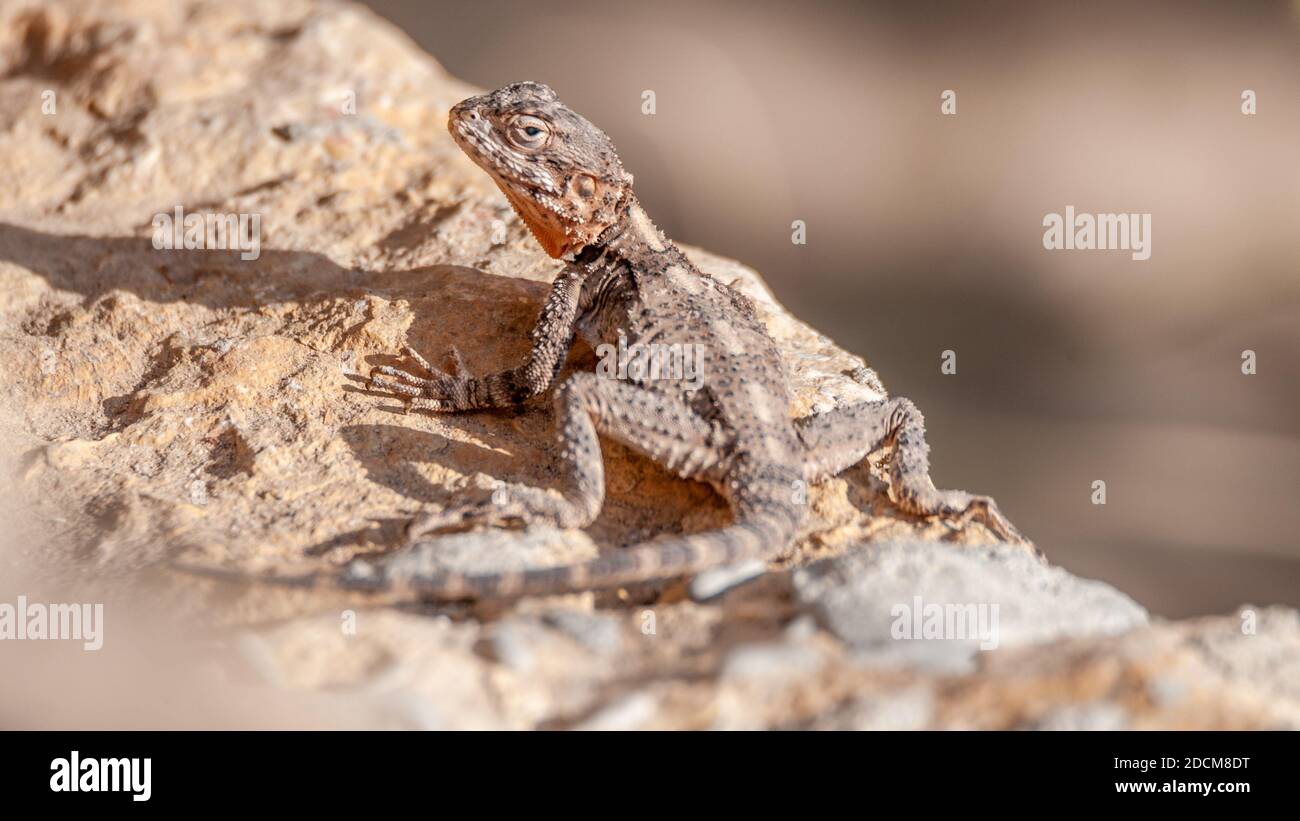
633	237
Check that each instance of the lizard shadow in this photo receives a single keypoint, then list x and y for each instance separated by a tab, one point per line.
510	445
515	450
389	455
94	266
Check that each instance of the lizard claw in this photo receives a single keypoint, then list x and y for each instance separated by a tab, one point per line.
458	364
984	510
438	391
959	508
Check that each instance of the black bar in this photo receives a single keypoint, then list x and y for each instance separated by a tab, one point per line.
545	771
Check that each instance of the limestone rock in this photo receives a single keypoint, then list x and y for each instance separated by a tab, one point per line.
884	599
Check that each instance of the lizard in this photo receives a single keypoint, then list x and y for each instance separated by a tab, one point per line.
624	282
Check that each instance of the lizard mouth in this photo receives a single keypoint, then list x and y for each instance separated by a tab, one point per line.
469	131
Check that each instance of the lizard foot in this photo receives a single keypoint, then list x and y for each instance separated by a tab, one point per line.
438	391
959	508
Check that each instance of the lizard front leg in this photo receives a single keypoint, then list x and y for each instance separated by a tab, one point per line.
658	425
839	439
443	392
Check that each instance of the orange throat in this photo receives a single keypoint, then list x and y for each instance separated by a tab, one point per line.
546	226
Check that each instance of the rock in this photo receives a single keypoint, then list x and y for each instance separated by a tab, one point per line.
601	633
883	600
204	404
1166	675
631	712
909	708
779	661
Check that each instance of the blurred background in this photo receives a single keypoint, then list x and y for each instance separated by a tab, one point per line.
924	234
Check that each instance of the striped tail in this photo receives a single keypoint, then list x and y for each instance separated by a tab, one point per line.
762	537
758	538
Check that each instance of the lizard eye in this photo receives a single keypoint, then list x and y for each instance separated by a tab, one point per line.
529	132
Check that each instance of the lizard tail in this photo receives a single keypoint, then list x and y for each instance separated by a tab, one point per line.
758	538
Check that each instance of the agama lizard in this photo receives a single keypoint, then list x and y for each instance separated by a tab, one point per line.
624	279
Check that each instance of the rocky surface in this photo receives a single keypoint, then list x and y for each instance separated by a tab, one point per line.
163	404
861	597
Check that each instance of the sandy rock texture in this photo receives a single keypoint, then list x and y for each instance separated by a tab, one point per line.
195	404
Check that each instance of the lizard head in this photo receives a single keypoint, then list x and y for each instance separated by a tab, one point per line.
558	170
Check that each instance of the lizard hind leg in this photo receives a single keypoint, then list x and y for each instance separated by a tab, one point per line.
843	437
665	428
657	424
